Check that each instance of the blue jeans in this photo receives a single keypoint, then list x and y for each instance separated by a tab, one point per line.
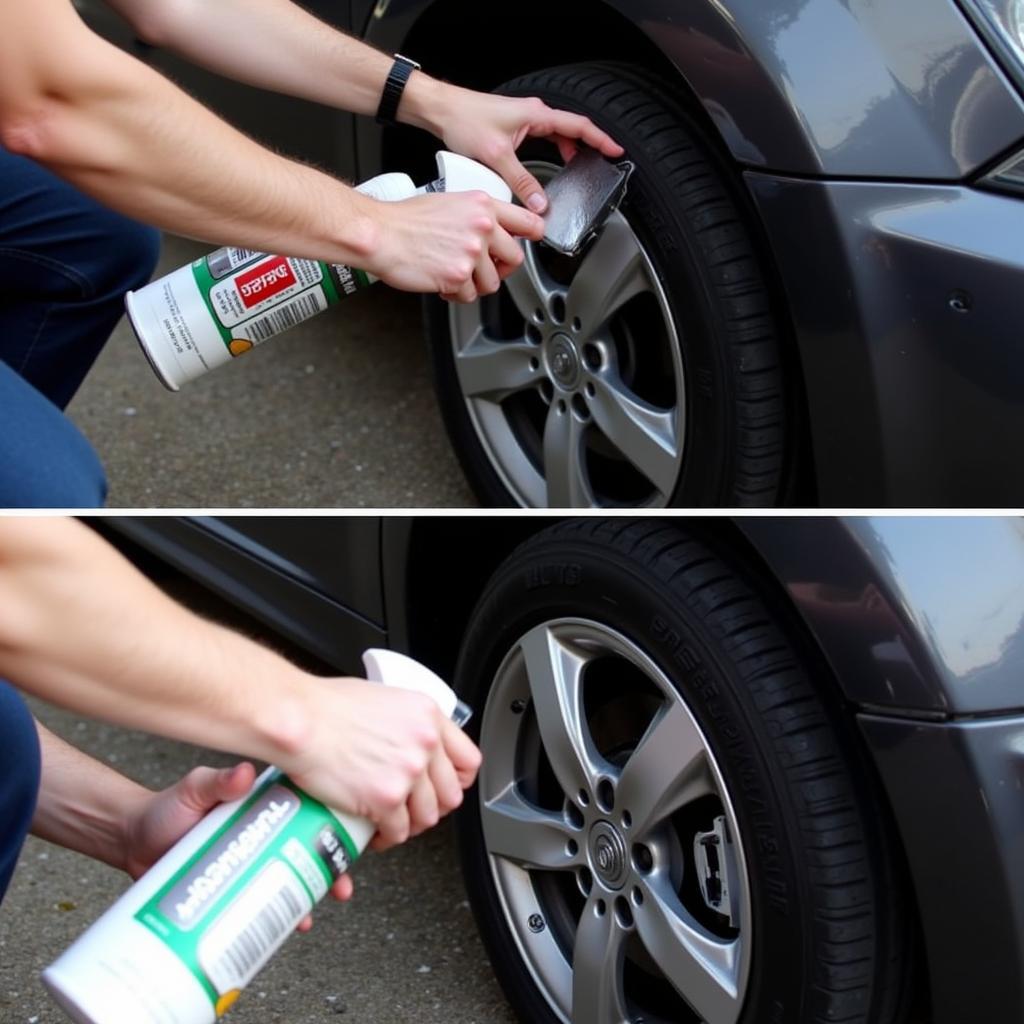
65	265
19	778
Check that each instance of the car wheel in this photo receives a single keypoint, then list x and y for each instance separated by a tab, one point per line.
645	372
672	823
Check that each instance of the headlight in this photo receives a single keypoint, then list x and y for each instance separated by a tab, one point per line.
1008	175
1001	22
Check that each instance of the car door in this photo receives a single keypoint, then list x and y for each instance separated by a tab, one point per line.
317	580
312	132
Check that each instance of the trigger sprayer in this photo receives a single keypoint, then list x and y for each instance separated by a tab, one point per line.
224	304
184	941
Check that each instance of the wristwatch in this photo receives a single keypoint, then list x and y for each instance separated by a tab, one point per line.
393	89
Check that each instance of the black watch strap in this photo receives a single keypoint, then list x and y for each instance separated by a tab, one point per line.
387	112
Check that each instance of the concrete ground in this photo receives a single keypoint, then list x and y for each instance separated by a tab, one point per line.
339	412
404	951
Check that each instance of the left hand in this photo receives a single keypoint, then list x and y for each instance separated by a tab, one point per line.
491	128
161	819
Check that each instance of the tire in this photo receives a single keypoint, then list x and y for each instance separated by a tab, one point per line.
743	758
680	397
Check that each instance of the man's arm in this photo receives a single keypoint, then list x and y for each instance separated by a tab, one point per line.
277	45
88	807
129	137
81	628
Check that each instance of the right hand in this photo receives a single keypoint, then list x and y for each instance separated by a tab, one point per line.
460	245
382	753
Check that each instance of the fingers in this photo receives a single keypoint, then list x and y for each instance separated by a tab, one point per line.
343	889
523	184
519	222
463	753
393	829
496	251
423	805
576	126
204	788
446	784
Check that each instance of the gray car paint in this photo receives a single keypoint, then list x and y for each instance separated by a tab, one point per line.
273	589
957	795
841	88
907	384
918	616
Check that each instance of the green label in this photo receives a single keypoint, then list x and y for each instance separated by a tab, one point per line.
237	898
294	290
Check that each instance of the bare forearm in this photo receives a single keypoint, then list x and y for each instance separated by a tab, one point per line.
127	136
83	805
277	45
83	629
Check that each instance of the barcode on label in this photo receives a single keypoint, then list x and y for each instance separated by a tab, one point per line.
280	319
247	934
240	256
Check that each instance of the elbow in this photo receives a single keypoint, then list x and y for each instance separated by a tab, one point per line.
163	25
24	133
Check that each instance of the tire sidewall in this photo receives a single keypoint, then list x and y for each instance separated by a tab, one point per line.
575	581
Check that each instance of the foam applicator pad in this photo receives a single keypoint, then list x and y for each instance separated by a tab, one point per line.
581	197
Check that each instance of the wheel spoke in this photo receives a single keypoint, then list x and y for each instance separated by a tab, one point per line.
528	835
668	769
612	272
494	369
530	287
645	434
702	967
597	995
555	674
564	461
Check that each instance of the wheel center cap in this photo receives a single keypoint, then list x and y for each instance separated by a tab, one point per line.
608	854
564	361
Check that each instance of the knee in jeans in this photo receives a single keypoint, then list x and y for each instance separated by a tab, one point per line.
71	476
131	251
20	757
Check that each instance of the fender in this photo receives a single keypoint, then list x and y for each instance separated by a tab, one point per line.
900	89
920	617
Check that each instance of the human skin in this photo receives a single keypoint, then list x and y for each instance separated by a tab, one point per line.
88	807
127	136
83	629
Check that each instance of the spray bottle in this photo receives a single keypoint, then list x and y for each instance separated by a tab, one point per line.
223	305
180	945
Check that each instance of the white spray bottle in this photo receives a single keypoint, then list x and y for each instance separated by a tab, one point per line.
223	305
183	942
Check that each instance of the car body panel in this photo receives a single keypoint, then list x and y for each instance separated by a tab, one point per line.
957	795
277	592
919	616
312	132
837	88
908	327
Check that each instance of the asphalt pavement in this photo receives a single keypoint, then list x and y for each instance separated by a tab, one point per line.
404	951
339	412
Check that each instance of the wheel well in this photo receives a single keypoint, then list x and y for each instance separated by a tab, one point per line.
463	554
577	31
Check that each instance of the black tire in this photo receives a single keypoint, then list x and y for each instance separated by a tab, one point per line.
831	928
686	210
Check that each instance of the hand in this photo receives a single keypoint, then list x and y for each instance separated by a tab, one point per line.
161	819
460	245
381	753
491	129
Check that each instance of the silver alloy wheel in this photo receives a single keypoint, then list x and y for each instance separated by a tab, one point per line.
616	836
567	348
